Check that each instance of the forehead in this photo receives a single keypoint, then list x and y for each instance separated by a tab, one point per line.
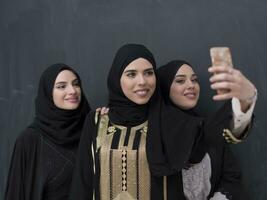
65	75
139	64
185	69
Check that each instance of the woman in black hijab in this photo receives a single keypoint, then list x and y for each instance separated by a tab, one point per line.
112	161
44	153
180	146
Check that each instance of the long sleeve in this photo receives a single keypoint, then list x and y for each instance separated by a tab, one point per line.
23	183
83	176
241	119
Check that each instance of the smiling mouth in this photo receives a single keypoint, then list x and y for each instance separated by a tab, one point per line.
190	95
142	93
72	100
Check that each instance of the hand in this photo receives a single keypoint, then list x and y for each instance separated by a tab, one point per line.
102	110
233	81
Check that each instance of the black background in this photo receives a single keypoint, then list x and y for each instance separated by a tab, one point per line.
86	33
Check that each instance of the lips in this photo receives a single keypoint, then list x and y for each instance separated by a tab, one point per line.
142	93
73	100
190	95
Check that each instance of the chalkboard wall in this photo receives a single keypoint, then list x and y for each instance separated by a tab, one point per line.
86	33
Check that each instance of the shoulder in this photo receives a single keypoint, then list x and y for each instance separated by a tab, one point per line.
29	138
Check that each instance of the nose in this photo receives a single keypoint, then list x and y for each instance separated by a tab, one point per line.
71	89
190	84
141	80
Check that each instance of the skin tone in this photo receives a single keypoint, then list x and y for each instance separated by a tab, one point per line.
67	91
184	90
235	82
138	81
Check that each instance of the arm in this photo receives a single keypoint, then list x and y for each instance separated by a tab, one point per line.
243	94
16	176
22	177
83	176
229	186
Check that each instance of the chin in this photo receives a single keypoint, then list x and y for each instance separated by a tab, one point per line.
141	101
71	107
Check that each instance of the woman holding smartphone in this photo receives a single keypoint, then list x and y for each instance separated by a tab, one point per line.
180	148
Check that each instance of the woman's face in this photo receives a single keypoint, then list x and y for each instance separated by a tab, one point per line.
67	91
184	91
138	81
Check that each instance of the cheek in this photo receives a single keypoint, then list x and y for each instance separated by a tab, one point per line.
175	95
79	92
125	86
152	82
58	98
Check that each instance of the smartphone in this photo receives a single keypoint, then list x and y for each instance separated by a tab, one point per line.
221	56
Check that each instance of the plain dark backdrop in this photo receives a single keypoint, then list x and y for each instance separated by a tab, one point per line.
86	33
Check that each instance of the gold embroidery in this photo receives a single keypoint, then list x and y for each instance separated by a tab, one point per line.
111	129
165	187
144	173
229	137
102	131
124	172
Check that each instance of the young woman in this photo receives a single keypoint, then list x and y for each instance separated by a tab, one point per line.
201	169
44	153
112	161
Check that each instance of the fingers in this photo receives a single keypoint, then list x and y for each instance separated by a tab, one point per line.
102	110
223	85
222	77
220	69
221	97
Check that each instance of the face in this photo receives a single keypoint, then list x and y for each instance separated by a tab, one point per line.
184	91
138	81
67	91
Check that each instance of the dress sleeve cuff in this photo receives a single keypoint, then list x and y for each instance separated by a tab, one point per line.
241	119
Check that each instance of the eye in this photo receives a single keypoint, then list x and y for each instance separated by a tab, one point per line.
60	86
194	80
149	73
131	74
76	83
180	81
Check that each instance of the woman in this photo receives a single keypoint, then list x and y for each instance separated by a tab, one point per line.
206	171
112	161
44	153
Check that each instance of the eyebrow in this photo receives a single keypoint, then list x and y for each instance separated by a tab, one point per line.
134	70
183	75
64	82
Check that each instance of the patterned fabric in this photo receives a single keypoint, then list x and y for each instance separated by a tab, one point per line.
196	180
124	172
218	196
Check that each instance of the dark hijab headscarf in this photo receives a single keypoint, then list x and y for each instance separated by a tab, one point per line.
122	110
58	125
178	137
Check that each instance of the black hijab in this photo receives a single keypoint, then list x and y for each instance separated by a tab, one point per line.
178	138
122	110
58	125
172	131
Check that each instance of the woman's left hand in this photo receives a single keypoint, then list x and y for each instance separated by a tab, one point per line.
234	82
102	110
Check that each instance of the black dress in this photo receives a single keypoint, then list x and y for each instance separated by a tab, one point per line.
44	153
40	169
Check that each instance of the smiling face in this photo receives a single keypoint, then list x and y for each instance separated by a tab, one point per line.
138	81
67	91
184	91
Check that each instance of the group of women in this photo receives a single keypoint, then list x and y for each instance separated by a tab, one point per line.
151	144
